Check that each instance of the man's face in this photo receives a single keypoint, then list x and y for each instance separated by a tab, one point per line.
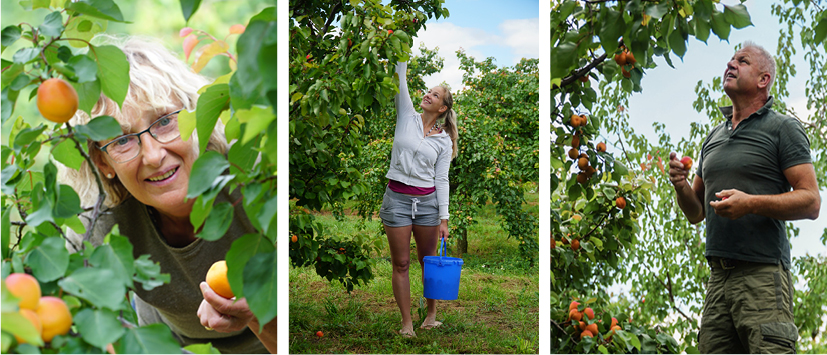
744	75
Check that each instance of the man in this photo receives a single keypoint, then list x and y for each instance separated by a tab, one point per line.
746	169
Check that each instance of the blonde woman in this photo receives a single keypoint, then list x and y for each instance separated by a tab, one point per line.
416	198
145	175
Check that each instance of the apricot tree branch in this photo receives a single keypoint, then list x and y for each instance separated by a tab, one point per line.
96	211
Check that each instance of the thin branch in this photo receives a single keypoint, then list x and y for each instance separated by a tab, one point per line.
330	18
96	211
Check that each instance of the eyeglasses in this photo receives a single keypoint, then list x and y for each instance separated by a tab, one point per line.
126	147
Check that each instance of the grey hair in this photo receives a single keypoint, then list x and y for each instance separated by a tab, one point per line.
767	61
158	80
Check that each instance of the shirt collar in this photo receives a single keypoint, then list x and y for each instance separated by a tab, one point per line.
727	110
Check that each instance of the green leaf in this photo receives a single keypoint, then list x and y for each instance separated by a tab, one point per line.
267	213
186	124
603	349
737	15
85	28
692	350
49	260
243	156
210	105
6	232
720	26
115	256
205	171
257	119
189	7
52	25
105	9
88	95
10	35
151	339
701	29
24	55
613	28
113	72
218	222
820	31
677	42
239	254
260	286
85	68
95	285
99	128
16	324
67	154
658	10
256	46
67	203
564	56
98	327
148	273
202	349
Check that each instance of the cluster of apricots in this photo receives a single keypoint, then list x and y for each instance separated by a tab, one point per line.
579	321
49	315
582	159
573	243
624	58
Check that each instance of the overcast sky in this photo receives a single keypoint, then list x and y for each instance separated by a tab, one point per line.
505	30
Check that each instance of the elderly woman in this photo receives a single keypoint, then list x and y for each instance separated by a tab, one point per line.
416	198
145	175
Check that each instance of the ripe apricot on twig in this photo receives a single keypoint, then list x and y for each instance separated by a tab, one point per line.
586	334
626	73
601	147
575	315
575	141
583	163
582	178
621	202
620	59
26	288
575	245
573	305
54	316
57	101
574	153
630	58
588	312
294	238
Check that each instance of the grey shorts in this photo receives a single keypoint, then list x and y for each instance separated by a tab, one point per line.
400	210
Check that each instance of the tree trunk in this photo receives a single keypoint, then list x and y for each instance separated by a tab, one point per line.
462	243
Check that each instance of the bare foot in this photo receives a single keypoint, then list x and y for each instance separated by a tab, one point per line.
407	332
430	323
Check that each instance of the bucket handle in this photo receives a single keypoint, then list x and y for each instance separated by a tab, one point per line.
442	251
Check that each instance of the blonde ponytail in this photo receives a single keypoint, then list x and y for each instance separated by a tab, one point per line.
449	117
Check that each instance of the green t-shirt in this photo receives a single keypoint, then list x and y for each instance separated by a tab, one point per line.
751	158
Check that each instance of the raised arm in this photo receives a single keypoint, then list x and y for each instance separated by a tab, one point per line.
404	105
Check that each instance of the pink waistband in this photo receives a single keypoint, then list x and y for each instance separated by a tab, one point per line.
401	188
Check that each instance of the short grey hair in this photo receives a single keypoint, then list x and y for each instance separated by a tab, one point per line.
766	61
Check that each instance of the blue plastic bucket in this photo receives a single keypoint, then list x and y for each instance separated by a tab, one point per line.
442	275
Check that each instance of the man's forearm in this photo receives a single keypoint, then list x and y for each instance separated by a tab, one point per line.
793	205
689	203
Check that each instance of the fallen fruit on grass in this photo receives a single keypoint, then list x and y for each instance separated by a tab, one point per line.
319	334
34	319
217	279
26	288
57	101
294	238
687	163
621	202
601	147
54	316
575	244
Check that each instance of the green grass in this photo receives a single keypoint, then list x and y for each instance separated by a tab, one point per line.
497	310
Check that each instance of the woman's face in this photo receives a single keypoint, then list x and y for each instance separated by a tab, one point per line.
433	100
159	175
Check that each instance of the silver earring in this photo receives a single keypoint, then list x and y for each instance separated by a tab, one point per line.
109	176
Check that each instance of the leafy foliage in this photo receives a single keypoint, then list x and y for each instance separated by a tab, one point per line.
38	210
649	243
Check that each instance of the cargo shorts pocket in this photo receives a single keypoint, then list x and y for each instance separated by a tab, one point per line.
778	338
760	291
